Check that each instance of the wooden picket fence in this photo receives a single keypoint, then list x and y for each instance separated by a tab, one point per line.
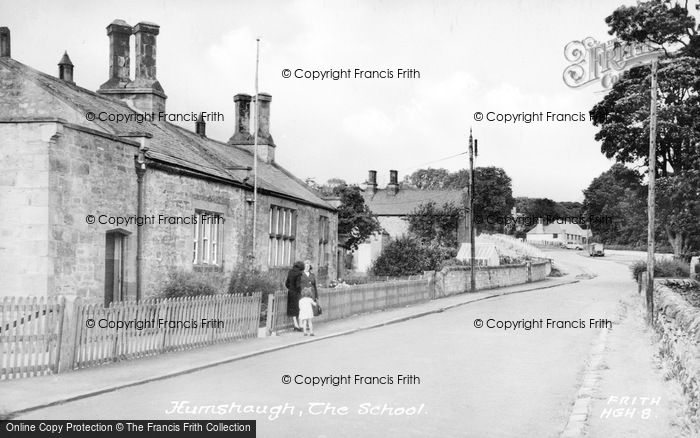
160	325
343	302
30	335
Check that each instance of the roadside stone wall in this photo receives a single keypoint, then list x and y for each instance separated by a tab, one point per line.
678	325
457	279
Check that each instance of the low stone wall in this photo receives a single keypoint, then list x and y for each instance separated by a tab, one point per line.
678	325
457	279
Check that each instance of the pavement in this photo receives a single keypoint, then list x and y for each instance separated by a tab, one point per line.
25	395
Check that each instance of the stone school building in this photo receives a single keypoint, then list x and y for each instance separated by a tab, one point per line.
74	188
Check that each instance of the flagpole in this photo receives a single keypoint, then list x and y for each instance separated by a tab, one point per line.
255	149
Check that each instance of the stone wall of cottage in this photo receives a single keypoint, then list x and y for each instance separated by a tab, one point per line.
54	176
91	177
168	247
24	207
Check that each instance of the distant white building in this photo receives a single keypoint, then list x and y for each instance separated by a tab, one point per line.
558	234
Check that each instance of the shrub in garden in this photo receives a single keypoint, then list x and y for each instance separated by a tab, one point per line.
662	268
247	281
181	283
407	256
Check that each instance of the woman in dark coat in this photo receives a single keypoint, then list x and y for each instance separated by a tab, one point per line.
308	280
293	285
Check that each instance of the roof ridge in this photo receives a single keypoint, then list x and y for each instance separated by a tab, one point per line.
61	82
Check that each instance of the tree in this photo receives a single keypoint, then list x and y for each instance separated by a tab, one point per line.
427	178
327	189
493	191
623	117
657	22
623	114
617	194
432	224
678	200
355	221
538	207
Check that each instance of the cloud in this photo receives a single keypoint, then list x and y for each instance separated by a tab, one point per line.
369	126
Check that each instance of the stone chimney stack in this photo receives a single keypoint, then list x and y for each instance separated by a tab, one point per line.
5	45
144	93
65	69
372	181
119	33
264	122
393	187
241	135
145	45
148	95
200	126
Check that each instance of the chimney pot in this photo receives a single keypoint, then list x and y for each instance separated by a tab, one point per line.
393	177
242	135
393	186
372	181
5	46
119	33
65	69
264	119
145	46
200	126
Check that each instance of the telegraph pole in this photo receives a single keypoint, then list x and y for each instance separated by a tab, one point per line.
472	232
651	195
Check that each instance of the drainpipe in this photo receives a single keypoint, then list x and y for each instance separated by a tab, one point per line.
140	167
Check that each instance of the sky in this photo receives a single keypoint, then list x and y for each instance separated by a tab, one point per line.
500	57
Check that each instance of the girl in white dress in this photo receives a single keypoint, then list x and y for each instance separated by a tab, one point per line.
306	311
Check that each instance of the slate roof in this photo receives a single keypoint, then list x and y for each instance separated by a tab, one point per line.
403	203
170	143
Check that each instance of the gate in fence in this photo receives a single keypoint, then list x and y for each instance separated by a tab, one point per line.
30	335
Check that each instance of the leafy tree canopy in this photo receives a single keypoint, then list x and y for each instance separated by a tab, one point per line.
493	190
617	194
355	221
431	223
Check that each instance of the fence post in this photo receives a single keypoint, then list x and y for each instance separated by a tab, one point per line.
68	337
430	275
270	311
529	271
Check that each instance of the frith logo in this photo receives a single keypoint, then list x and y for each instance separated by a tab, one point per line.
593	61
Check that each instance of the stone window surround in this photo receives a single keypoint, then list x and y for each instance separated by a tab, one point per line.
282	235
211	209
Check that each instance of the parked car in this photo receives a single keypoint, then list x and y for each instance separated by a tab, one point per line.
596	250
572	245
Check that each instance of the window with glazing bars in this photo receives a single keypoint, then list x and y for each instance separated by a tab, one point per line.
282	229
208	231
324	231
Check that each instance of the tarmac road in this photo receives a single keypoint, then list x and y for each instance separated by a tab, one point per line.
463	381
